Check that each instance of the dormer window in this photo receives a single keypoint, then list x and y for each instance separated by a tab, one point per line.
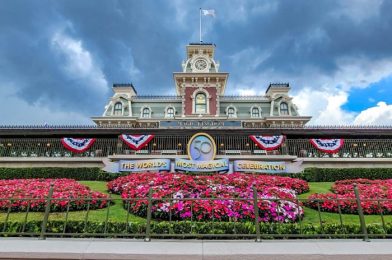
201	103
146	112
231	111
284	109
117	111
255	112
170	112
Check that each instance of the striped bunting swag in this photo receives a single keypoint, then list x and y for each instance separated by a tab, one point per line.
136	142
77	145
327	145
268	142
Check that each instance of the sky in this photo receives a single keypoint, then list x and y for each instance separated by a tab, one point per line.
59	59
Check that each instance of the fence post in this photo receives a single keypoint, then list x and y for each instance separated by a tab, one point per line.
148	225
256	210
47	211
361	215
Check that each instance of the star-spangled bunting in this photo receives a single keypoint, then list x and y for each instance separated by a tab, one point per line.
77	145
268	142
327	145
136	142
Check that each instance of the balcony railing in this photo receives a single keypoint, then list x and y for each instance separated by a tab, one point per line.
176	145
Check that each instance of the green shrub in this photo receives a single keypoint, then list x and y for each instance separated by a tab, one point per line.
195	229
335	174
86	174
96	174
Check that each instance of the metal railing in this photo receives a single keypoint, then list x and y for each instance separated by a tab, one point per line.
177	144
352	148
148	228
246	98
271	127
157	97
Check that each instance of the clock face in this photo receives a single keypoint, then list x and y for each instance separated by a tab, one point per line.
200	64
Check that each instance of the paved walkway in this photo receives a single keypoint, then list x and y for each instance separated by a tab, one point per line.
31	248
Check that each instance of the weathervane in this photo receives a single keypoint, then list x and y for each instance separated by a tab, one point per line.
205	12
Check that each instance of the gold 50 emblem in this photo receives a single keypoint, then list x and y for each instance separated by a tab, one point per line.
201	147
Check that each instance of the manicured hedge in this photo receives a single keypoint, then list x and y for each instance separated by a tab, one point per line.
96	174
194	228
86	174
335	174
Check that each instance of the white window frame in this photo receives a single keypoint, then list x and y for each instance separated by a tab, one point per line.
142	110
227	111
114	108
208	97
167	114
258	108
288	108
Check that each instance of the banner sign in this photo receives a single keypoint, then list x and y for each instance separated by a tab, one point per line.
327	145
136	142
199	124
259	166
144	165
268	142
77	145
221	165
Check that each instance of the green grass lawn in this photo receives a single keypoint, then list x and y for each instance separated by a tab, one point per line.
116	211
313	216
118	214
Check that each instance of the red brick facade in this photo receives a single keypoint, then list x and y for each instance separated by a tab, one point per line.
211	101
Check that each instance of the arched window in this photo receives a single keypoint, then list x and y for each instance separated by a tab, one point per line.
117	111
170	112
146	112
255	112
284	108
231	112
201	103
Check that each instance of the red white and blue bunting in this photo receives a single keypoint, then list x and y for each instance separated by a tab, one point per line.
136	142
77	145
327	145
268	142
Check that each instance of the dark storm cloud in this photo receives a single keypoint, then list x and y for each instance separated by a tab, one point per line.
298	34
139	41
116	34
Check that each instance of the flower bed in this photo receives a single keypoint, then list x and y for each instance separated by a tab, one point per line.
372	193
186	196
20	194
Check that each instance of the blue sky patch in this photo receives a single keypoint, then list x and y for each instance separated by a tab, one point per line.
360	99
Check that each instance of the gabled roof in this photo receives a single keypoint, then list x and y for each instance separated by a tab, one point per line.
124	85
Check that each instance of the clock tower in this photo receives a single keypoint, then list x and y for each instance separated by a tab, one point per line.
200	84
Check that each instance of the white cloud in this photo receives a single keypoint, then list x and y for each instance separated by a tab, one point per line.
246	92
316	93
359	10
79	63
128	62
324	107
378	115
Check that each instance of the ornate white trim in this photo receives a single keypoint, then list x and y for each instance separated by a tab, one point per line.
141	111
258	108
174	110
114	105
227	111
283	100
208	97
130	108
